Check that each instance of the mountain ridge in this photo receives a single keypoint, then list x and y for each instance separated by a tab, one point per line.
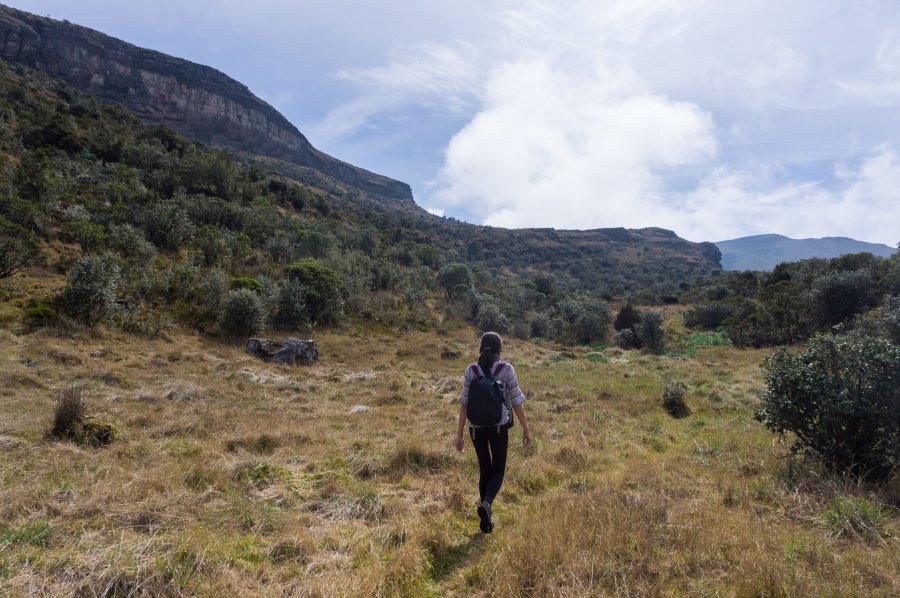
764	252
196	100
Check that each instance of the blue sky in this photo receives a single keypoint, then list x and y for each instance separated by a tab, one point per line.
713	118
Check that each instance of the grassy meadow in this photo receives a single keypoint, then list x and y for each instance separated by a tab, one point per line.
232	477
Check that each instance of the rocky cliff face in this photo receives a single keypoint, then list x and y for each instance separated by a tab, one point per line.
195	100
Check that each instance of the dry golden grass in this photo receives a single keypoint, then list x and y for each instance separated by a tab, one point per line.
235	477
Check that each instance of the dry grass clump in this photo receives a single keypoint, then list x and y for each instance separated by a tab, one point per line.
184	391
263	444
71	422
412	458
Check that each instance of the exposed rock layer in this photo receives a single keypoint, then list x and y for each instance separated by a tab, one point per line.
195	100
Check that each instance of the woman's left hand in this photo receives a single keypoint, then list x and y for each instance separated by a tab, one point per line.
526	438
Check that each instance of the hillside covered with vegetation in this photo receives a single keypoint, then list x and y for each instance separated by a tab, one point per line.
177	226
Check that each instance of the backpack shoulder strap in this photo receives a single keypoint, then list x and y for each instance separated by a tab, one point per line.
475	369
500	367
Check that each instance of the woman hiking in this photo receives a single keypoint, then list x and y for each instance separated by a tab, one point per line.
490	391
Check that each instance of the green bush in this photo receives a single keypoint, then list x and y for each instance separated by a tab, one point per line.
132	244
246	282
626	339
456	280
588	318
244	314
838	296
841	400
489	317
167	225
707	315
90	295
290	306
650	332
325	291
628	317
888	321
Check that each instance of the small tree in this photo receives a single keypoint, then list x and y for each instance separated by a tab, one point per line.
90	295
841	399
325	292
244	314
290	305
456	279
838	296
132	244
18	248
628	317
489	316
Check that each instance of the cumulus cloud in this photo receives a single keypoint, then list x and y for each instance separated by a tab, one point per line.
550	149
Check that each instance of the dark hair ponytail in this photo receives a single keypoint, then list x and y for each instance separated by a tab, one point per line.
491	345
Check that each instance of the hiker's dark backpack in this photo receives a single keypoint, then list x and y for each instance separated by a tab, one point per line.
486	398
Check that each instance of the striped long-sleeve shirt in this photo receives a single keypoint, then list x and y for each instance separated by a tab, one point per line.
503	372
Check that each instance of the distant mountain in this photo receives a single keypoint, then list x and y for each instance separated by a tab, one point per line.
764	252
195	100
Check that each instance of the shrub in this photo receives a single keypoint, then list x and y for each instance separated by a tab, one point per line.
673	399
168	225
841	400
213	288
324	290
628	317
541	327
888	321
456	279
290	305
626	339
132	244
588	318
489	316
18	248
244	314
90	295
246	282
838	296
707	315
650	333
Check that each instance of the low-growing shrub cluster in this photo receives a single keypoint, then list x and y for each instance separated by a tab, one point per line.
796	299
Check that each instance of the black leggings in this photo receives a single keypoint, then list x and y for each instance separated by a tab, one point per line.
490	447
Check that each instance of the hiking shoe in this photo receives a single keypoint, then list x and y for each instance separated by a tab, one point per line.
484	513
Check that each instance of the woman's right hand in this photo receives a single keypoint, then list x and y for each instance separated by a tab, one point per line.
460	443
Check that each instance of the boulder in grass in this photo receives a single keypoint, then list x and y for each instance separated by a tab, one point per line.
290	351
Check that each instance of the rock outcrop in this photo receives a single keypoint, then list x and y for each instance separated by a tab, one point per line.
195	100
290	351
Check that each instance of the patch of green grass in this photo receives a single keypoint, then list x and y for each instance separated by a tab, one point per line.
261	474
856	517
33	534
596	357
562	357
697	340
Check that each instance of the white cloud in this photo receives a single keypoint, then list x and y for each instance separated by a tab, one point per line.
729	204
552	150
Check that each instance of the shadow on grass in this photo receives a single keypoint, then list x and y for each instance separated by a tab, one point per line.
451	558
